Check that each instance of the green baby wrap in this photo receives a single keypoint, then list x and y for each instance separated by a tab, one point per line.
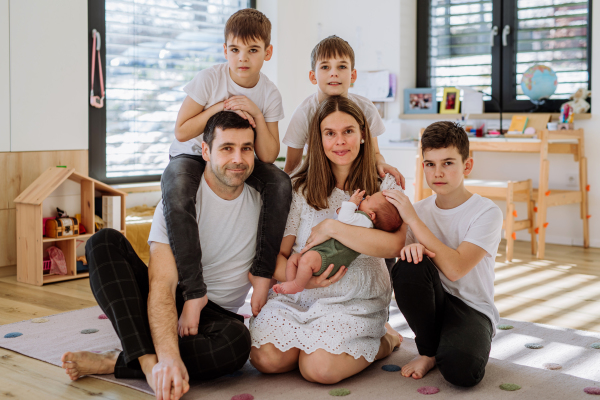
333	252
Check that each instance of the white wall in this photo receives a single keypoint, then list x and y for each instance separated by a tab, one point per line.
4	78
48	75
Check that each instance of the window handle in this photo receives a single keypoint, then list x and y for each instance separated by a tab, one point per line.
505	33
493	32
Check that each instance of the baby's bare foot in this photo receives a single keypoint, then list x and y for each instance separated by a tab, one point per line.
81	363
287	288
418	367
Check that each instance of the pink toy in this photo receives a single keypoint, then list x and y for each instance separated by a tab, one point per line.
59	265
46	267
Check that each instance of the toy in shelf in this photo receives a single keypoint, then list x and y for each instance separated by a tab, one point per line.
578	103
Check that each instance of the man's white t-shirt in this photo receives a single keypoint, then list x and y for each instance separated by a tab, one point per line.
213	85
228	231
478	221
296	135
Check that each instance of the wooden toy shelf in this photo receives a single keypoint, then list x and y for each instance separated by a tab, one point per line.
30	239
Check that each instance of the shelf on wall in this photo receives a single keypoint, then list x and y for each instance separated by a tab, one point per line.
507	115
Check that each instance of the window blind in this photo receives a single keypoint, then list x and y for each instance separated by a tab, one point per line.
153	48
553	33
460	48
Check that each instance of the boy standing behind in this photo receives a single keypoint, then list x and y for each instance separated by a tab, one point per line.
240	87
332	70
448	300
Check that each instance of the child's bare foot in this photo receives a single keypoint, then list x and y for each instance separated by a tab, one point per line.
260	292
287	288
418	367
81	363
190	316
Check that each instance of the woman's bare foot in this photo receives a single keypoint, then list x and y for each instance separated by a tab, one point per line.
397	337
418	367
390	341
82	363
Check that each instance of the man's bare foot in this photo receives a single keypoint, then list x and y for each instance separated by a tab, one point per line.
147	362
190	316
81	363
418	367
260	292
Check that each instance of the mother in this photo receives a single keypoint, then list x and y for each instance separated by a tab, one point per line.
338	328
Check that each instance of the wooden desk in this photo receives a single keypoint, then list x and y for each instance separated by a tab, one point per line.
550	142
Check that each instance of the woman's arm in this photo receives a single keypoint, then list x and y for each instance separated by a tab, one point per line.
372	242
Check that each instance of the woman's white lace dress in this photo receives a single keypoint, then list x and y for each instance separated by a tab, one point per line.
346	317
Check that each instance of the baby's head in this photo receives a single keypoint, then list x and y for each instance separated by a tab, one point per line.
332	66
384	214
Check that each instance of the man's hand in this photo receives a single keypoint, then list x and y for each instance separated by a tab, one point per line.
171	379
357	196
414	253
403	204
242	103
383	168
190	316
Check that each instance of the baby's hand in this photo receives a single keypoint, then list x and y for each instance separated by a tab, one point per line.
414	253
357	196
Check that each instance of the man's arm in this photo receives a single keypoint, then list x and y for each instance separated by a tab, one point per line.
192	119
292	160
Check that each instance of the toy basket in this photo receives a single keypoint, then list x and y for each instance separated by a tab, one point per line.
46	267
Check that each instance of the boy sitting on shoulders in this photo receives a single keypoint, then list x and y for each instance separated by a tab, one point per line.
448	299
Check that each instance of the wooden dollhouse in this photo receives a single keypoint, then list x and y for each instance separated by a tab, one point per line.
30	237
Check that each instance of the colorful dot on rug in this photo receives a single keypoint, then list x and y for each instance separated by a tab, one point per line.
428	390
592	390
533	345
339	392
595	346
505	327
102	316
391	368
552	366
234	374
12	335
243	396
88	331
39	320
511	387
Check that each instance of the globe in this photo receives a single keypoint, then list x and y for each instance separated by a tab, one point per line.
539	83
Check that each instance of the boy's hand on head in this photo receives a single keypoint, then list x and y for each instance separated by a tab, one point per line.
414	253
403	204
357	196
383	168
242	103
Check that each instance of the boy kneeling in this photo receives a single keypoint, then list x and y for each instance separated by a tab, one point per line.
453	236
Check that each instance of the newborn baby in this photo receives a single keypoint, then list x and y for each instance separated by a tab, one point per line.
373	211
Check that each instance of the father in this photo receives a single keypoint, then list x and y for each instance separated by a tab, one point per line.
143	303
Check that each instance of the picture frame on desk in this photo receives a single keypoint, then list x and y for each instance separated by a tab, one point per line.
420	101
451	101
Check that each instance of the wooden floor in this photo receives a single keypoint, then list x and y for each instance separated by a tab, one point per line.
563	290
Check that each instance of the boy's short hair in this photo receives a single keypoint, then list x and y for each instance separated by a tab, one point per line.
249	24
332	46
443	134
224	120
387	217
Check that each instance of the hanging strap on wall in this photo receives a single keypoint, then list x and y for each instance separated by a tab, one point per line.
97	101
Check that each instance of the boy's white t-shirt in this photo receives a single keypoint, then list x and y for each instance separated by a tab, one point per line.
213	85
296	135
228	230
478	221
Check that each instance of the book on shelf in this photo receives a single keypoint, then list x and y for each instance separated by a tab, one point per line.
111	212
518	124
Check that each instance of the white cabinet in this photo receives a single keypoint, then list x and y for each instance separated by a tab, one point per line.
4	78
403	158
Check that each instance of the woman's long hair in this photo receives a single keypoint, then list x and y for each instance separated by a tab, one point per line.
315	179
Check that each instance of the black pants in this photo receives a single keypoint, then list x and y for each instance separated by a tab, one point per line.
119	281
179	185
459	337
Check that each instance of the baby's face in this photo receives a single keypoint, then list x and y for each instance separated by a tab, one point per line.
372	203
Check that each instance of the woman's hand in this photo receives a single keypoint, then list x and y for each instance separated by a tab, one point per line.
322	280
383	168
320	233
414	253
403	204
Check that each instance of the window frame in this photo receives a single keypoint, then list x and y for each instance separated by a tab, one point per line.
503	65
97	116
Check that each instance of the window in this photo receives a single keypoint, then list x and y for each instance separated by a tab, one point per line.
489	44
150	50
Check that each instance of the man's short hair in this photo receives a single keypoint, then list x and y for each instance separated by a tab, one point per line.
330	47
444	134
224	120
387	217
249	24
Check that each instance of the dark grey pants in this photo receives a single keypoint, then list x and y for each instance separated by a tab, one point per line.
179	185
119	281
458	336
